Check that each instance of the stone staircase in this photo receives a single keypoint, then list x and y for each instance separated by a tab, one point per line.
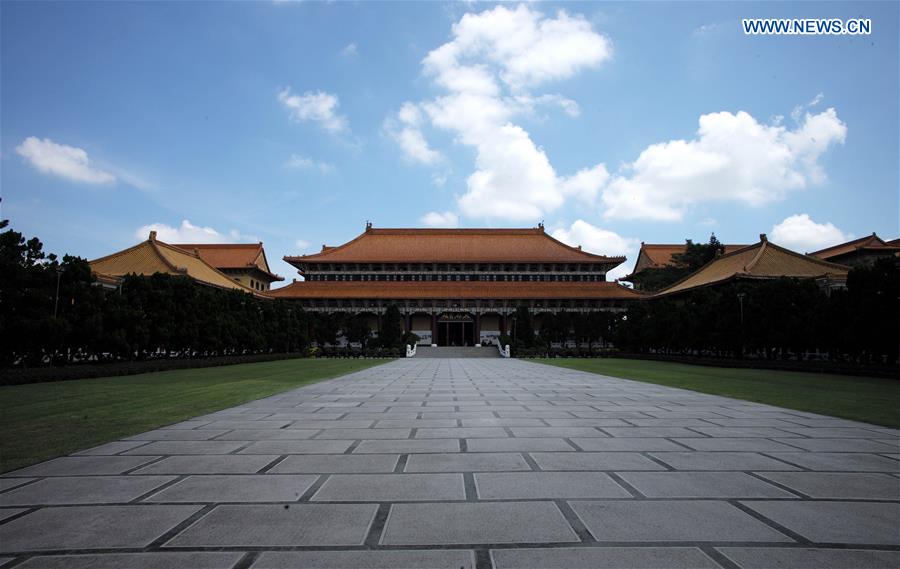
457	352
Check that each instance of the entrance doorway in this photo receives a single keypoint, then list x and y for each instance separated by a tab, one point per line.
455	329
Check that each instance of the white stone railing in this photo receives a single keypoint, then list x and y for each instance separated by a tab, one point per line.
503	352
411	350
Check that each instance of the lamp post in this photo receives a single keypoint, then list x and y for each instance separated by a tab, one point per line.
741	296
59	272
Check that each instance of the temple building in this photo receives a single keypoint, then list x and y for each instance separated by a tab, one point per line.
153	256
455	286
761	261
245	263
860	252
656	256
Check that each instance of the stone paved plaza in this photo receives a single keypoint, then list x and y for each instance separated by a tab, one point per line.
427	463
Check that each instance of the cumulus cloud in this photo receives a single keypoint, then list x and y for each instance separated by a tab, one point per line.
601	242
440	219
305	163
187	232
61	160
732	158
350	50
406	129
319	107
800	233
487	72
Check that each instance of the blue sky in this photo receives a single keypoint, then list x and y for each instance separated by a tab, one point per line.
295	122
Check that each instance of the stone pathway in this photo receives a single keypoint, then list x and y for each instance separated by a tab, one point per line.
429	463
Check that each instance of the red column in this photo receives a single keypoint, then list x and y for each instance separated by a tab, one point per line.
434	334
477	329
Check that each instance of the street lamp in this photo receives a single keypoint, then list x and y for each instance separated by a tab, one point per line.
59	272
741	296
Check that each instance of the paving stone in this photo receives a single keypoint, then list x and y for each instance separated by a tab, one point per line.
277	525
368	434
518	445
603	558
547	485
155	560
737	445
642	520
585	423
743	432
376	559
833	432
721	461
297	447
810	558
6	513
840	445
261	424
702	485
336	463
848	462
594	461
110	448
7	483
836	522
670	422
409	446
236	488
560	432
859	485
83	490
447	523
84	465
269	435
209	464
177	435
91	527
626	444
497	422
307	425
415	423
391	488
461	433
672	432
188	424
186	447
466	462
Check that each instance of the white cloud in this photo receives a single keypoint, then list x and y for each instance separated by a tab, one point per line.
61	160
487	70
733	158
304	163
319	107
350	50
800	233
301	244
190	233
440	219
405	129
601	242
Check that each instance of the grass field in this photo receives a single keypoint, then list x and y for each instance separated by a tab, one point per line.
869	399
45	420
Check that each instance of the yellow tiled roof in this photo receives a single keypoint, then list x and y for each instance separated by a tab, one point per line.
153	256
762	260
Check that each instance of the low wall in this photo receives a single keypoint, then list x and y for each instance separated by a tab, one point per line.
814	367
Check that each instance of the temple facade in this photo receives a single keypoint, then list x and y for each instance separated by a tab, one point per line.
455	286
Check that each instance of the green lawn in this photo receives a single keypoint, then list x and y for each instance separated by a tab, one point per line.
45	420
869	399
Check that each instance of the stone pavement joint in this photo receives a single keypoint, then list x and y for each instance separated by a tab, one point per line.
474	464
